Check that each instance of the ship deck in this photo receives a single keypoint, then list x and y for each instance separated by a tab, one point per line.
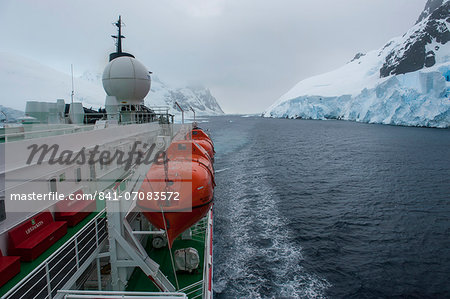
140	282
27	267
189	283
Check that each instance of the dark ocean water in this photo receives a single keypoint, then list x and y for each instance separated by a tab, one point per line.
330	209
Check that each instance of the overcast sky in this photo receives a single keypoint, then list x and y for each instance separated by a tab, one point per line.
248	52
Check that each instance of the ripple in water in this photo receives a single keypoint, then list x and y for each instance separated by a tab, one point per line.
254	254
330	209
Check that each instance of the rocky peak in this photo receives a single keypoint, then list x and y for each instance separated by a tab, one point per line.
358	56
430	6
413	54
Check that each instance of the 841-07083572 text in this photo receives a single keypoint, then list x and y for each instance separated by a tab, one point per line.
136	195
164	195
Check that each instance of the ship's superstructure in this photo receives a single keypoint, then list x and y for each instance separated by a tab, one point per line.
85	209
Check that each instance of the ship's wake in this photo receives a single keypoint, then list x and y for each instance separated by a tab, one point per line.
254	254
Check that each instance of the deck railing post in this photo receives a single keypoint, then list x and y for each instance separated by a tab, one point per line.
47	277
96	232
99	274
76	253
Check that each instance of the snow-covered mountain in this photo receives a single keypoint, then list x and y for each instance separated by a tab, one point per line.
10	115
197	97
164	94
406	82
23	79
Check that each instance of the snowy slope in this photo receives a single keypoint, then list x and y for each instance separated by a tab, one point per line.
23	79
403	83
164	94
10	115
199	98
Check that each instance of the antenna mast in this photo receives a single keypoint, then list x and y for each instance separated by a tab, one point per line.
119	35
192	111
182	112
71	112
71	70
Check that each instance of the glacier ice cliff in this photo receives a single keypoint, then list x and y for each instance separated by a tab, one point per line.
407	82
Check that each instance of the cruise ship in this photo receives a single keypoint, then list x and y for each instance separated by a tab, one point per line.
108	203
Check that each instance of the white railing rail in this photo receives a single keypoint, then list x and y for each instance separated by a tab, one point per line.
198	230
71	129
207	263
76	128
160	109
63	264
190	290
74	294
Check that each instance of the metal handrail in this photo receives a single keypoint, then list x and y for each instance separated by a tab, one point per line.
76	128
206	259
195	287
116	294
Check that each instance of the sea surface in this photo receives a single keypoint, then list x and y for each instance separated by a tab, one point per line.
332	209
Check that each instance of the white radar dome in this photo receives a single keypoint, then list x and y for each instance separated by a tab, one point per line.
127	79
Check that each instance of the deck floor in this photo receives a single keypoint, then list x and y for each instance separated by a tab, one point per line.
140	282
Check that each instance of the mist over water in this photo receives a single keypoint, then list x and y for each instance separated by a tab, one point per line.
330	209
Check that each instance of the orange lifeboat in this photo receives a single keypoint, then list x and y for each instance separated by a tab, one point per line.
207	147
187	177
198	133
189	150
203	140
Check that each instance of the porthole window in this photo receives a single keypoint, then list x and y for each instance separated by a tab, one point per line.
78	175
53	185
92	171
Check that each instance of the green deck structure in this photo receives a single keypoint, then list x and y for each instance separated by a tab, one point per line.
140	282
27	267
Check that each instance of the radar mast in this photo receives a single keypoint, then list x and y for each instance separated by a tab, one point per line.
118	37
